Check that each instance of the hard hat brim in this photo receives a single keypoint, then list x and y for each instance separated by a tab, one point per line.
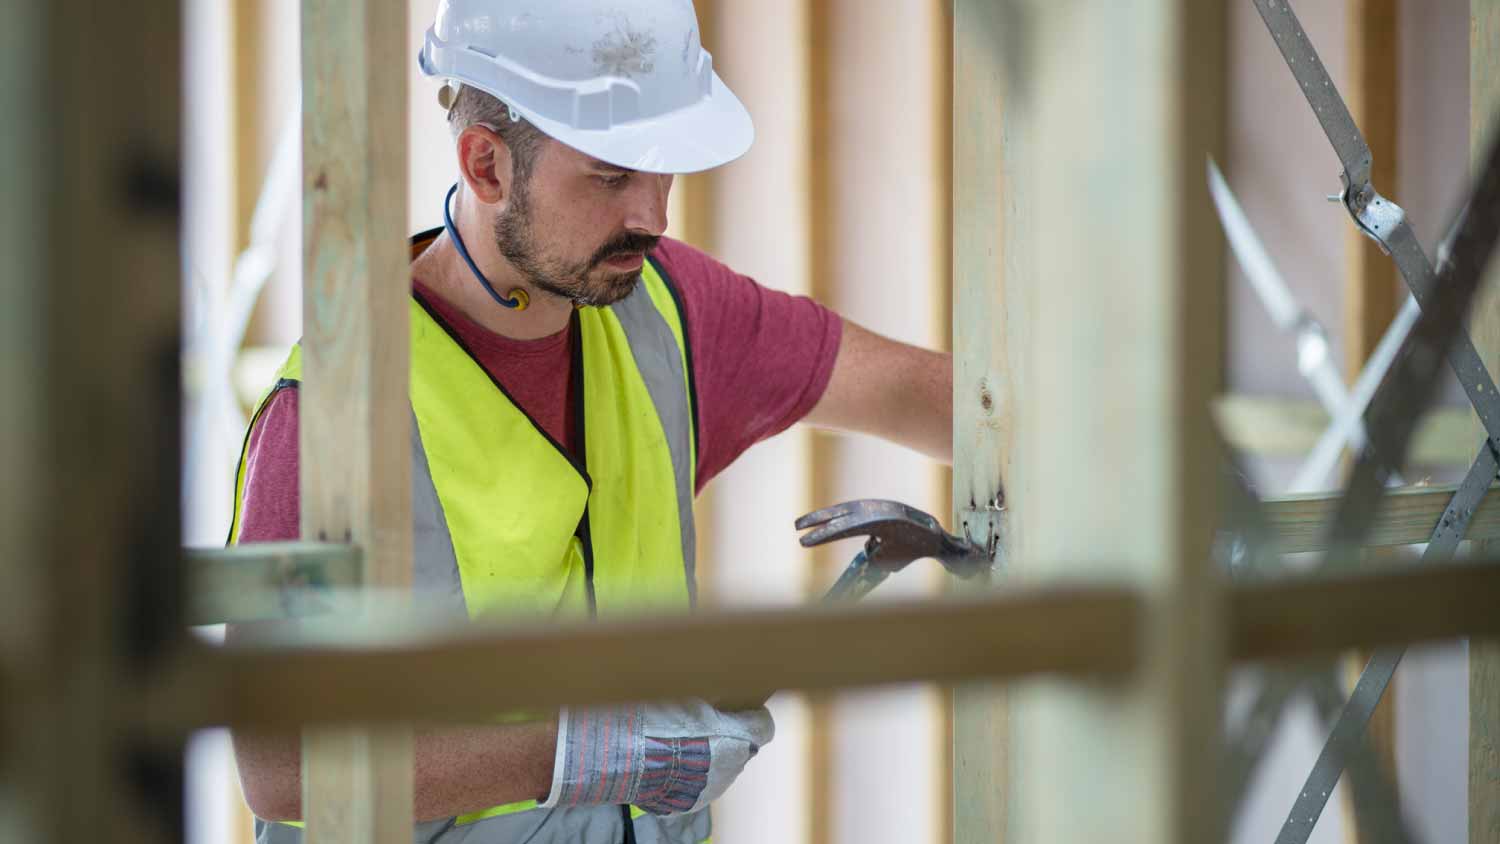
710	133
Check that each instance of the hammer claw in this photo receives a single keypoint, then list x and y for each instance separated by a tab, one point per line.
818	517
838	528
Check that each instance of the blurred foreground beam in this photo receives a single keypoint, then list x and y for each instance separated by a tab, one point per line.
730	657
1484	328
1122	103
90	164
382	674
356	418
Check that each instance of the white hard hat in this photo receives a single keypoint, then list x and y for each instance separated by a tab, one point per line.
625	81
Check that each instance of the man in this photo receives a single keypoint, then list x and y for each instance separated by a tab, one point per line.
576	379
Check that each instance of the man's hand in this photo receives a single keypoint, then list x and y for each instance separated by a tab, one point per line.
894	391
668	759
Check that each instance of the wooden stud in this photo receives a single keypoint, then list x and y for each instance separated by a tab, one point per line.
822	465
942	123
1372	288
1125	355
1372	294
694	196
1406	517
993	252
1484	327
249	26
355	441
90	163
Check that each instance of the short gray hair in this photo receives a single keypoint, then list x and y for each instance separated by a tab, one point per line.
473	107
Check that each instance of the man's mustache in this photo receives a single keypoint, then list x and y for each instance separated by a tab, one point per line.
625	244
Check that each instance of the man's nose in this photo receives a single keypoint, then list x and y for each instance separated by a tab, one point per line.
648	205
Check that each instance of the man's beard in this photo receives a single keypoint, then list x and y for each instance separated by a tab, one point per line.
568	280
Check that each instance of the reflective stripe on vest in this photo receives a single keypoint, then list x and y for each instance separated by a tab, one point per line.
497	506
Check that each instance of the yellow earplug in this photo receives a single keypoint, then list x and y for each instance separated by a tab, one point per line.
520	298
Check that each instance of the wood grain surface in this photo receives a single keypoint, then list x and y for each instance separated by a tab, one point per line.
991	252
355	438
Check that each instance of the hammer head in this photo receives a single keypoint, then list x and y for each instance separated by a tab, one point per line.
898	534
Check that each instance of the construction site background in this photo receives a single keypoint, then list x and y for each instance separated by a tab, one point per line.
843	197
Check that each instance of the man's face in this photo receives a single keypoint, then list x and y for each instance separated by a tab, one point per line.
579	228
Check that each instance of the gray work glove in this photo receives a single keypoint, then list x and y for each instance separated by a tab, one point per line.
668	759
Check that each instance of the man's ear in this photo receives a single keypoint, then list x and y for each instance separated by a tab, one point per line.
484	162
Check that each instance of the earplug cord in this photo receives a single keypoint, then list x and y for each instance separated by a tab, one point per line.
519	300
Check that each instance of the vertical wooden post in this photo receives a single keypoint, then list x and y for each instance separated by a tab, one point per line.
821	20
692	201
355	432
1372	287
1484	327
993	253
249	32
1124	355
942	122
89	157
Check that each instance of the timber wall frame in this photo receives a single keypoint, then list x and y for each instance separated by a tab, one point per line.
102	684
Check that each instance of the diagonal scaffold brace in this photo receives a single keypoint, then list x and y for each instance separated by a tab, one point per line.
1445	296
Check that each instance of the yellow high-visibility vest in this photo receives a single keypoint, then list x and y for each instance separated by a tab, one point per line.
507	524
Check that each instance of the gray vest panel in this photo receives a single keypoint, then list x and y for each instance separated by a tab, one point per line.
660	362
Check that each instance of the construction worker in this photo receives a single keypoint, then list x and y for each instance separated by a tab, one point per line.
576	378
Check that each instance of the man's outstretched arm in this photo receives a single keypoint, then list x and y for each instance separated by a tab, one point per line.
897	392
457	770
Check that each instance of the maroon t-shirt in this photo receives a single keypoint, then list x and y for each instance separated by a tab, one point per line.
761	360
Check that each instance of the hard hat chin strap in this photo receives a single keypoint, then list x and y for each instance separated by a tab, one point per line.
519	298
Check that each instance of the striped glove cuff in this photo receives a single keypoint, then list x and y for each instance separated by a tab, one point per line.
603	757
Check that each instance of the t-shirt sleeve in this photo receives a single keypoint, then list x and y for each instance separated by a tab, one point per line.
271	510
761	358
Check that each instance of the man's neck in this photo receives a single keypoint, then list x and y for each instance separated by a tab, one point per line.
443	270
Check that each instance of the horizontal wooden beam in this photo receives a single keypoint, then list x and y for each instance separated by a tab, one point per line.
1308	615
1272	426
730	657
741	656
270	580
1407	516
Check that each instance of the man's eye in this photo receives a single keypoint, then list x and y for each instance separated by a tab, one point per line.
613	181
